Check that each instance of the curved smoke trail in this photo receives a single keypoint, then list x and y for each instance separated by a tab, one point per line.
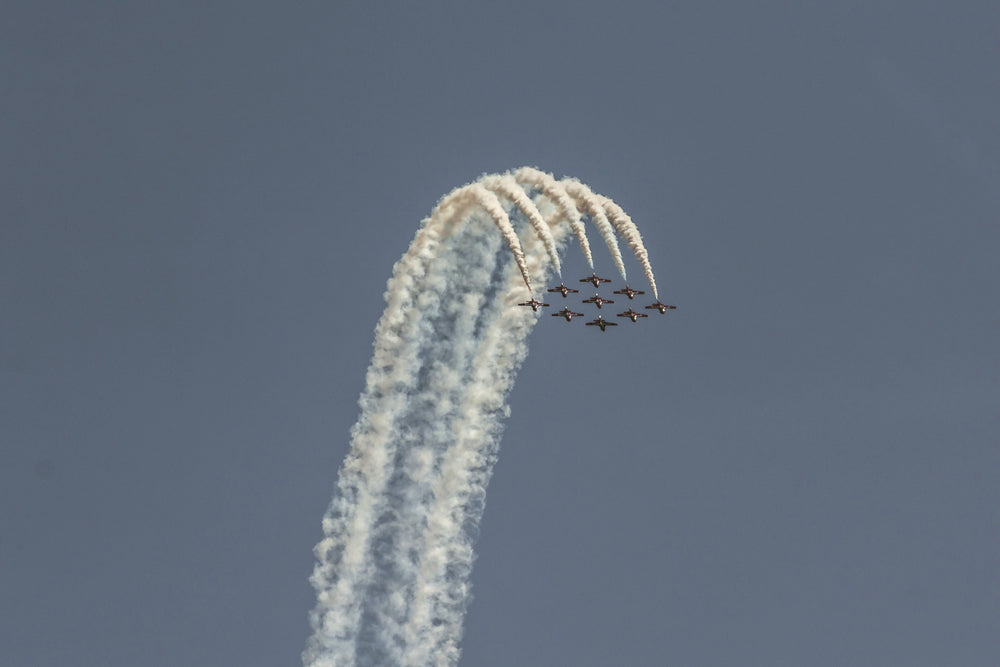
555	191
508	187
392	572
592	205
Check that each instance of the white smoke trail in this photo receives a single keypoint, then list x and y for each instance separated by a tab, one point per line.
404	351
393	569
442	587
623	223
475	193
554	190
343	569
508	187
446	357
592	205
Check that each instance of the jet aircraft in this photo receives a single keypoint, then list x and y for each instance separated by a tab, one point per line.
662	307
593	279
563	290
601	322
533	303
567	313
598	300
632	315
629	292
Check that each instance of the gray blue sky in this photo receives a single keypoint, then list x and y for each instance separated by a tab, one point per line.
200	205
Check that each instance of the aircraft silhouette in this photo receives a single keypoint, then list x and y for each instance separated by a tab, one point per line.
598	300
563	290
593	279
533	303
632	315
629	292
567	313
662	307
601	322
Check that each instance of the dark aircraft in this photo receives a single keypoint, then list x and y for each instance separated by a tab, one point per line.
567	313
629	292
563	289
596	299
662	307
601	322
632	315
533	303
595	280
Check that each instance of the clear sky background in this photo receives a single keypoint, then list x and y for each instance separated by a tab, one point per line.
200	204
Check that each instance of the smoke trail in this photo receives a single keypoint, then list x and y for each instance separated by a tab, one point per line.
475	193
554	190
508	187
392	451
623	223
441	593
393	568
592	204
343	568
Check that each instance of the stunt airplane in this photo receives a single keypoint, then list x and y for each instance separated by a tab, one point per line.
601	322
629	292
533	303
567	313
662	307
593	279
632	315
597	299
563	289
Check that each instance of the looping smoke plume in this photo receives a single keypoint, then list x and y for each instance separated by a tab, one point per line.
393	568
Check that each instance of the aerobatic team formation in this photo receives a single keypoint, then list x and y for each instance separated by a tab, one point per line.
598	301
393	567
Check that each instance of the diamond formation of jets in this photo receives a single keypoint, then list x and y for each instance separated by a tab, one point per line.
562	289
598	301
629	292
601	322
595	280
567	313
534	303
632	315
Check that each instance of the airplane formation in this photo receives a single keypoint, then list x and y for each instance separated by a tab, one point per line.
598	301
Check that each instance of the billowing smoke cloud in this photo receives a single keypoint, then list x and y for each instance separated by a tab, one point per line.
393	568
